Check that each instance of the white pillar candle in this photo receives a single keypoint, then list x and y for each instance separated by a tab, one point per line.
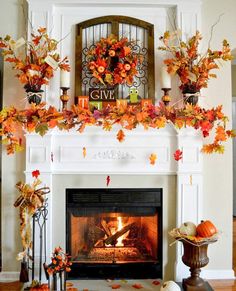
65	79
165	78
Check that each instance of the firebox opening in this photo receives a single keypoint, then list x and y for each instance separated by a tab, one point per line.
113	230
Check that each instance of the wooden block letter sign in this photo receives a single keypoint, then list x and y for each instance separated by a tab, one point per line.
83	101
101	94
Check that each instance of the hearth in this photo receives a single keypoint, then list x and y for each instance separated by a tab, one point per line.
114	233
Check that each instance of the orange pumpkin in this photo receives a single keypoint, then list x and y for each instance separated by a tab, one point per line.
206	229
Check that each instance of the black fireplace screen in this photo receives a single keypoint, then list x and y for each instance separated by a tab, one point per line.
114	227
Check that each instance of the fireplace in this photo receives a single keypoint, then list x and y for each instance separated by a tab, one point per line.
114	233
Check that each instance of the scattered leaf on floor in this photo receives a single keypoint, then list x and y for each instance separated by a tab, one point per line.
156	282
115	286
137	286
69	284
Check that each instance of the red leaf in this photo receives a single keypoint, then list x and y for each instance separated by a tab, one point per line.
108	180
35	173
178	155
156	282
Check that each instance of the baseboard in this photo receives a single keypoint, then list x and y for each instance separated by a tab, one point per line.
217	274
9	276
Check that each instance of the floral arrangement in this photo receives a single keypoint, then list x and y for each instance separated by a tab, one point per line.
113	61
60	262
31	198
40	119
193	68
37	62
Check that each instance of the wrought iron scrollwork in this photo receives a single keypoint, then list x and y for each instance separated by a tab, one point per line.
140	80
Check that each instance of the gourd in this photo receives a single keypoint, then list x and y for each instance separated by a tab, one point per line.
188	228
170	286
206	229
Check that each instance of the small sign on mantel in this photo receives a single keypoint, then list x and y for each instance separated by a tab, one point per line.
103	94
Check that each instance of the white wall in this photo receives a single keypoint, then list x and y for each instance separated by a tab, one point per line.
12	23
217	168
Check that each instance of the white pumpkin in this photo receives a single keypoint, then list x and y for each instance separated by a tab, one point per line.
170	286
188	228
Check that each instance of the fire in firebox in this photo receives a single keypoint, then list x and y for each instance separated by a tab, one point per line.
114	238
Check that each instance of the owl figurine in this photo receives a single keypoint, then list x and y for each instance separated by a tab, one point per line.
133	95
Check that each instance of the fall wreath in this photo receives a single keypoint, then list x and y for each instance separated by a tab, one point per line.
113	61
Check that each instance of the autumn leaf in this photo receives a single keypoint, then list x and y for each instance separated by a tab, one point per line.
231	133
120	135
84	152
107	125
220	134
52	123
35	173
41	128
178	155
108	180
160	122
153	158
179	123
115	286
156	283
137	286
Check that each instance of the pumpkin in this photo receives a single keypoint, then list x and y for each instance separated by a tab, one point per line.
188	228
170	286
206	229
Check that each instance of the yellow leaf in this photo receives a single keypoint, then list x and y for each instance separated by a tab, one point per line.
153	158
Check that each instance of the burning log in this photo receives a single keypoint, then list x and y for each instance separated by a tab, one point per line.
112	239
106	228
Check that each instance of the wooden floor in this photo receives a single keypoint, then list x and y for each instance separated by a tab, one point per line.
220	285
217	285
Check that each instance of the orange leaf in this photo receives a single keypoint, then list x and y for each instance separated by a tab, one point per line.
120	135
84	152
152	159
52	123
115	286
137	286
220	134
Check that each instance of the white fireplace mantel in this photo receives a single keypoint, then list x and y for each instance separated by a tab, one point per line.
61	153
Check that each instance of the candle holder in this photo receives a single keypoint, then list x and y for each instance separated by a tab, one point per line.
64	97
166	97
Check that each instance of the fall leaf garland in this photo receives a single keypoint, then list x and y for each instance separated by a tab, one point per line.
40	119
